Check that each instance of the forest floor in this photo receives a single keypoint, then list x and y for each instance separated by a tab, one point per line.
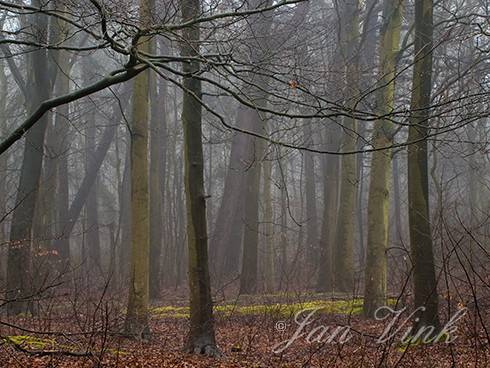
264	331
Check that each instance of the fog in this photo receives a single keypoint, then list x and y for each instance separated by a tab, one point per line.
172	165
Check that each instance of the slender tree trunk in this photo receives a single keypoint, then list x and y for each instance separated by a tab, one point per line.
254	154
269	263
19	257
201	338
125	220
136	324
311	209
283	227
425	284
367	60
331	169
344	263
397	199
157	171
331	182
91	206
378	200
3	165
62	189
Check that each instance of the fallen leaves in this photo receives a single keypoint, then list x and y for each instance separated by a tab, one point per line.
246	338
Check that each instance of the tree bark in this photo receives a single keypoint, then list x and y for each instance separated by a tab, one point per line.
201	338
331	169
311	209
157	172
424	275
19	258
62	189
248	277
136	323
344	263
269	262
91	238
378	200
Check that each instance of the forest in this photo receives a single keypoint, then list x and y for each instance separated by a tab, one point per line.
245	183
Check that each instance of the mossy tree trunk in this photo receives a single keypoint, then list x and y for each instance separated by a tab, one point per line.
344	263
158	161
136	324
424	276
201	338
378	198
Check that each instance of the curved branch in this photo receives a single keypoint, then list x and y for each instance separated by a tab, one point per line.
113	78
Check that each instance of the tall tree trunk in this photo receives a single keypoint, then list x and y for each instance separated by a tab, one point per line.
378	200
331	169
283	226
231	221
3	164
253	158
125	220
344	263
424	275
311	210
91	206
157	172
228	228
136	324
331	181
62	189
367	60
248	277
398	233
201	338
269	262
19	260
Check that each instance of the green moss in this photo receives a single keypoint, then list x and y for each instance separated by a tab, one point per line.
340	306
169	309
117	352
30	341
420	341
35	343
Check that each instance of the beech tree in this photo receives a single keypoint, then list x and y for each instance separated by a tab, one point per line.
424	273
136	323
201	337
288	131
377	242
345	233
19	278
